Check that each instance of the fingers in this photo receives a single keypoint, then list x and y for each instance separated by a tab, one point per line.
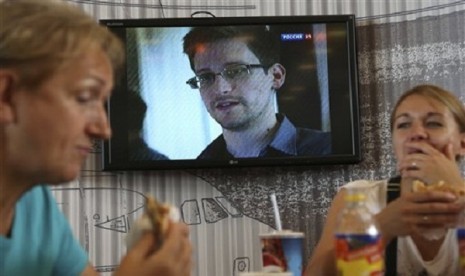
144	245
177	240
449	151
177	244
186	258
422	147
423	153
412	213
186	250
431	197
419	223
437	220
175	232
174	257
433	209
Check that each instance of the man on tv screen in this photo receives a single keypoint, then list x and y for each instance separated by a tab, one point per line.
237	72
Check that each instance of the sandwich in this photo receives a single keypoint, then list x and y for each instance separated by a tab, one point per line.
160	216
420	186
156	218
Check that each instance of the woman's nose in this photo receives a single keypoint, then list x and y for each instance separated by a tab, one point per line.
418	132
99	126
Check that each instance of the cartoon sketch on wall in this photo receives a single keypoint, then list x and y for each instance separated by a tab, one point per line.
190	207
241	265
214	210
118	224
108	207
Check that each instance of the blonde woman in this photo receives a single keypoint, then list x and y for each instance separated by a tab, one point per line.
428	136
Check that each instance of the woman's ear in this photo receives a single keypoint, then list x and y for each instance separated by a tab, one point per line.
7	81
279	75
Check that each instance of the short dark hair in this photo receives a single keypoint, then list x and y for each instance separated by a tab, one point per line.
259	39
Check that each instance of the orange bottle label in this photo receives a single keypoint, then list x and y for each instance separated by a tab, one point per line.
359	254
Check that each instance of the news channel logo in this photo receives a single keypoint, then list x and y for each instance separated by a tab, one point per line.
295	36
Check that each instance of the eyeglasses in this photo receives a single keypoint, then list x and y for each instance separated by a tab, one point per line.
235	72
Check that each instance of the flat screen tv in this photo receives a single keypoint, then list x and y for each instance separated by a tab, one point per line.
182	103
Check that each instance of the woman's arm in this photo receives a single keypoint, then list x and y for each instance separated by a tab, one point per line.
323	259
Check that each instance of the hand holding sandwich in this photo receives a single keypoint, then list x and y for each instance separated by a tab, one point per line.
172	259
158	244
432	196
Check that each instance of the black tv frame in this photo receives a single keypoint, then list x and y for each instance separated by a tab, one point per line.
344	109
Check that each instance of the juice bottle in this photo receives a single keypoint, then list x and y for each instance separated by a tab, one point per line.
359	248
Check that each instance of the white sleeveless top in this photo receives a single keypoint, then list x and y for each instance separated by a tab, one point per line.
409	260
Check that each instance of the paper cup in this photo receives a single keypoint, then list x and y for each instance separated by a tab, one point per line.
282	252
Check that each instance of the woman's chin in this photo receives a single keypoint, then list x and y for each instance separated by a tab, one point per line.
65	175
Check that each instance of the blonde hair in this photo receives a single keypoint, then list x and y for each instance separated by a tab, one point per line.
447	98
38	37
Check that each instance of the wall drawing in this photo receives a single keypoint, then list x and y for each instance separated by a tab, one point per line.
107	209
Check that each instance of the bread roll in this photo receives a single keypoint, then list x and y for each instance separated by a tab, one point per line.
420	186
160	214
156	219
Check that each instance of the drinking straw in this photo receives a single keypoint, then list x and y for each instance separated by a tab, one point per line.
277	218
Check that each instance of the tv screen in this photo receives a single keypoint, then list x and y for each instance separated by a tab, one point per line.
234	92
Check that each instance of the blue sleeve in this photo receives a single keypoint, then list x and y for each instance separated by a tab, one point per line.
72	258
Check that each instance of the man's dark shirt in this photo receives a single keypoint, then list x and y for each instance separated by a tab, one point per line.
288	141
139	150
